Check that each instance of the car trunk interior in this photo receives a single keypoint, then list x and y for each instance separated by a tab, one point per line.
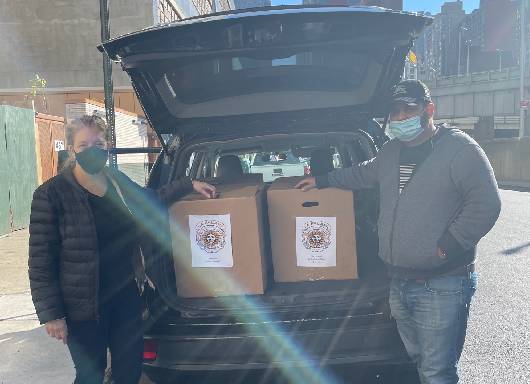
294	298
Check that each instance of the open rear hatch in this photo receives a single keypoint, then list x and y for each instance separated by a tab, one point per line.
273	70
213	74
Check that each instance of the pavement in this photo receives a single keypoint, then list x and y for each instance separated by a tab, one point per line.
14	262
497	344
29	355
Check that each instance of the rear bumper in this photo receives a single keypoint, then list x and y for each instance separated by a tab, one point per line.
335	371
372	343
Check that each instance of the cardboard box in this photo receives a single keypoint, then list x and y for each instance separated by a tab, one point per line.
312	233
246	178
218	244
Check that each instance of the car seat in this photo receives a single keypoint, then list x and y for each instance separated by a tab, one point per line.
229	166
321	162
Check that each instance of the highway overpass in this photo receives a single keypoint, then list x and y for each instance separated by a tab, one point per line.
484	104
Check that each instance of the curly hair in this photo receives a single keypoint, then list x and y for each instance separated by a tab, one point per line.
88	121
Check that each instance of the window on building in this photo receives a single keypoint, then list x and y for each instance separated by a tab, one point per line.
167	12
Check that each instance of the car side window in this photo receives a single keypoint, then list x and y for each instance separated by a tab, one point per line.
190	164
337	158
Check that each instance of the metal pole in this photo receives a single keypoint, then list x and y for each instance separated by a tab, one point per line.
107	80
522	67
467	63
459	44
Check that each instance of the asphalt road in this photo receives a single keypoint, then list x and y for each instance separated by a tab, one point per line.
497	347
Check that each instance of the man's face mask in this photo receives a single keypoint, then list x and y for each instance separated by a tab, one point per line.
408	129
92	159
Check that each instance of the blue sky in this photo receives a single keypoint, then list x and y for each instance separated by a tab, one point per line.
432	6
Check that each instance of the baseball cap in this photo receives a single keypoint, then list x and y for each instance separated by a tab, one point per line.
411	92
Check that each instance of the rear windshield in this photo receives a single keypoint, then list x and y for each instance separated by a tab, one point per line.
314	161
270	71
276	158
297	60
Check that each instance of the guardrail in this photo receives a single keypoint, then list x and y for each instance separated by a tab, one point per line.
509	73
510	159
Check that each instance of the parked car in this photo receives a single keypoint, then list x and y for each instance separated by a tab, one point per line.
280	164
267	80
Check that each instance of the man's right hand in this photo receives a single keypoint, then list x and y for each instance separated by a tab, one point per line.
307	184
58	329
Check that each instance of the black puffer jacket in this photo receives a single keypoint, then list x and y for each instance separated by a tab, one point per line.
63	249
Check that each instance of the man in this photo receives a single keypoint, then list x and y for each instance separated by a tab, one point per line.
438	198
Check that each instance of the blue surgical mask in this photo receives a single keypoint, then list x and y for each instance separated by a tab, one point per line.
406	130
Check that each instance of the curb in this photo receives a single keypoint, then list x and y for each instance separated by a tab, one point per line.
514	184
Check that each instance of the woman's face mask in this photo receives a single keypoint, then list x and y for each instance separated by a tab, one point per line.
92	159
90	150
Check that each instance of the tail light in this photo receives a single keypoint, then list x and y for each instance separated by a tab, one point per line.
307	170
150	350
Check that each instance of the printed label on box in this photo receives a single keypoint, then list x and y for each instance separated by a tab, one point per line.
316	241
211	241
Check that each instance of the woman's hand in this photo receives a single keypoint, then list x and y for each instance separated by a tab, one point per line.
58	329
204	189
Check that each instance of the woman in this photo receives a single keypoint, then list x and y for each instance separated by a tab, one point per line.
84	239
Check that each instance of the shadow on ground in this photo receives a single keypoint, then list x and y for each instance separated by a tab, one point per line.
515	250
33	357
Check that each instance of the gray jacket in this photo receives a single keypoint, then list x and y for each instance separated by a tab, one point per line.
451	202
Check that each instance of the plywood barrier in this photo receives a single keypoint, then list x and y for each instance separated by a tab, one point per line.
50	139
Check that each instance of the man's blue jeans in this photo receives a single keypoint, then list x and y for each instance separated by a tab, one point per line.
431	316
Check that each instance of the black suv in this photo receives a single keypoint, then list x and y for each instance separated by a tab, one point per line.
274	79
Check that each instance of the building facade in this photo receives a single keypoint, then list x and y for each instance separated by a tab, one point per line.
438	46
451	29
240	4
500	25
486	39
424	49
58	40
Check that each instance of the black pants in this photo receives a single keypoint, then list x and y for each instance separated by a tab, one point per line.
119	329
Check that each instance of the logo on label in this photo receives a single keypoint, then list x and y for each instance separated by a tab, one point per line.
210	235
316	236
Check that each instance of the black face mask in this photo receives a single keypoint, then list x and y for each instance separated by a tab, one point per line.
92	159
